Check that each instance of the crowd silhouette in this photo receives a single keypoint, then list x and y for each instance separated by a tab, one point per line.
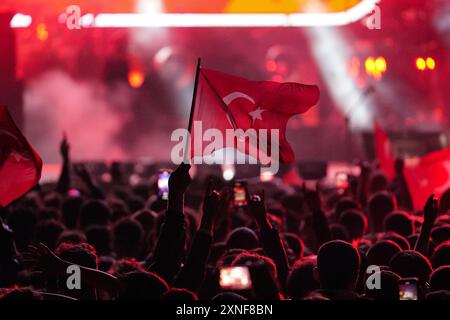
298	243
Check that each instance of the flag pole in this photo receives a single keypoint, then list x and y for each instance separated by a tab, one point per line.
191	114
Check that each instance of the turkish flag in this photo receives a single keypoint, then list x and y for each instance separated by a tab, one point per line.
430	175
228	102
20	165
383	151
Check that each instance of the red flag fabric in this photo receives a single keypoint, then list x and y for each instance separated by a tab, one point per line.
430	175
228	102
383	151
20	165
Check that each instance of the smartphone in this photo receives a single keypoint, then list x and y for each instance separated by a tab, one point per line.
408	288
341	180
235	278
240	193
163	184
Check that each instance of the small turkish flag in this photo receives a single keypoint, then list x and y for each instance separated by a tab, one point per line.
20	165
430	175
383	151
228	102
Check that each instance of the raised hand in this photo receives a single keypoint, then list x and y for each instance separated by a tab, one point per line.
257	209
81	171
179	181
312	198
430	211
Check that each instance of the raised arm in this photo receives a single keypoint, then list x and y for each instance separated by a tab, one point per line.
42	260
430	212
64	179
270	238
85	176
168	253
193	272
320	223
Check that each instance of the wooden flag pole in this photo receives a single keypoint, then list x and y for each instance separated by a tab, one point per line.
191	114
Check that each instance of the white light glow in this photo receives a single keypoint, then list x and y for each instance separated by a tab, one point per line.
331	52
20	21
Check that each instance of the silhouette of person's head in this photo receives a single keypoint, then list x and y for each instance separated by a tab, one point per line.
301	280
378	182
398	239
71	236
399	222
228	296
380	204
242	238
48	232
295	244
441	255
22	222
411	264
248	258
338	264
124	266
440	279
381	253
100	237
339	232
344	204
444	202
177	294
21	294
440	233
128	237
81	254
70	211
94	212
141	285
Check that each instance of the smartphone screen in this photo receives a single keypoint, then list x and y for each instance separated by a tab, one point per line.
235	278
240	194
163	184
408	289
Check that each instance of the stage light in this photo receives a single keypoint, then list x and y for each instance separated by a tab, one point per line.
370	66
135	78
380	64
228	173
41	32
431	64
421	64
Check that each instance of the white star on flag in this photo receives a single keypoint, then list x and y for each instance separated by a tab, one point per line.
256	114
